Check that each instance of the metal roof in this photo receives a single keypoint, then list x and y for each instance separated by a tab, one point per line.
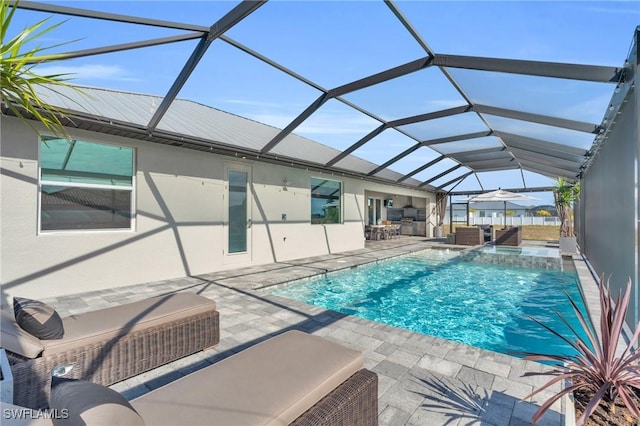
187	119
480	137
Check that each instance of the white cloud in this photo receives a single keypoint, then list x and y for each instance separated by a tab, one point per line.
88	72
335	129
252	103
272	119
315	125
326	122
591	109
336	124
614	10
447	103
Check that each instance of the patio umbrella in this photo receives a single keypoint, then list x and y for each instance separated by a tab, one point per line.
500	195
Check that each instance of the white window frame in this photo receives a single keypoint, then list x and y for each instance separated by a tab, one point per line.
132	190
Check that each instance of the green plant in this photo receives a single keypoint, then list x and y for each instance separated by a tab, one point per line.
544	213
595	367
565	193
18	79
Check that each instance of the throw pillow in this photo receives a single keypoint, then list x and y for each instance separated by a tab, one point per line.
38	319
80	403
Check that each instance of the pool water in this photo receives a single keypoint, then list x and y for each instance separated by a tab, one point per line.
522	251
436	293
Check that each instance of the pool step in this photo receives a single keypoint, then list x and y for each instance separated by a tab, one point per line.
513	258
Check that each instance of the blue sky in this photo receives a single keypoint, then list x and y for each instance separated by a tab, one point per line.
333	43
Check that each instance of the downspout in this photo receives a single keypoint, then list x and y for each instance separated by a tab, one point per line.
450	214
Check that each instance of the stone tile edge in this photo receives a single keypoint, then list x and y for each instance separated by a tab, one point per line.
276	286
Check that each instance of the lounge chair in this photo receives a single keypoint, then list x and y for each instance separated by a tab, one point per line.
110	345
291	379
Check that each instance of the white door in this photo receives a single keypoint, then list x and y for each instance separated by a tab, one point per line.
375	210
237	213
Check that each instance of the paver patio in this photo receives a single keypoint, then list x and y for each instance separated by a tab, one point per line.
423	380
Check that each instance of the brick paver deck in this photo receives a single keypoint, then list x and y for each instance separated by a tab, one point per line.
423	380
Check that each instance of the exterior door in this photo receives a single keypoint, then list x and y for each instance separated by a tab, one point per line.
375	210
237	215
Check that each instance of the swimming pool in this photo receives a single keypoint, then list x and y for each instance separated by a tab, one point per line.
436	292
522	251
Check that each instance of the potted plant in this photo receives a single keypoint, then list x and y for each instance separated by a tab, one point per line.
597	373
565	193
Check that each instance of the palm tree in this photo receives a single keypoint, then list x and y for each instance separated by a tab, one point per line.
18	79
565	194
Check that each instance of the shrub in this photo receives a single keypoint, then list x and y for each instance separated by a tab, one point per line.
595	367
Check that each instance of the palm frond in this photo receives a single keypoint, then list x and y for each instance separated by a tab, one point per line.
19	81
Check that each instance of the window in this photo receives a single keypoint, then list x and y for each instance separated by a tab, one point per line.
85	185
237	229
326	201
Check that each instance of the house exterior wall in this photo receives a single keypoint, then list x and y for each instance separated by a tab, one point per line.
179	229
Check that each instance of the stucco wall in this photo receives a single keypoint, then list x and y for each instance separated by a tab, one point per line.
179	223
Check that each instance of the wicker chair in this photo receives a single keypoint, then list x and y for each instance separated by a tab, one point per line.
469	236
108	356
509	236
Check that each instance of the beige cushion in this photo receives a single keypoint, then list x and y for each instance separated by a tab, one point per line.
109	323
271	383
16	340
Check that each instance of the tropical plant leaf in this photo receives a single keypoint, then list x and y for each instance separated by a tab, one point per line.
595	366
548	403
19	81
564	194
593	403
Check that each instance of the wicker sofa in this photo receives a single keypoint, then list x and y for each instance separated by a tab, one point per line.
109	345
